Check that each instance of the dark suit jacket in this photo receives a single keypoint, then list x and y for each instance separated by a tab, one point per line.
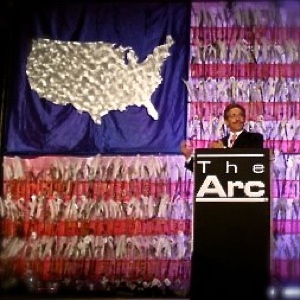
244	140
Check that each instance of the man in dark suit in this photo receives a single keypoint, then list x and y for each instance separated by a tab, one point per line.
238	137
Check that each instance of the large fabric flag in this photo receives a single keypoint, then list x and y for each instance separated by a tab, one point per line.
100	78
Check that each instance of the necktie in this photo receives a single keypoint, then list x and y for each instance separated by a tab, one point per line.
232	140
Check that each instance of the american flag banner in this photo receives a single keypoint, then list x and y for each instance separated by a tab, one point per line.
99	78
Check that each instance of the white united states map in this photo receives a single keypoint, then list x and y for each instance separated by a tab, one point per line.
95	77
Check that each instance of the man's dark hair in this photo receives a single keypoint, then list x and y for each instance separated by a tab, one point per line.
231	106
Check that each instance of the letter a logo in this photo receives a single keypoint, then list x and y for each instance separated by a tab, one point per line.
211	185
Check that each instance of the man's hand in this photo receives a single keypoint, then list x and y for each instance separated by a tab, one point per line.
217	144
186	149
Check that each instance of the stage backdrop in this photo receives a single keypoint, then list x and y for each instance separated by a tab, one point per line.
99	78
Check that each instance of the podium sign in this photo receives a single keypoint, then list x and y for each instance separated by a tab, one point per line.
231	224
232	176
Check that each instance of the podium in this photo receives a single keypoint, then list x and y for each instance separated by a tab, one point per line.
231	224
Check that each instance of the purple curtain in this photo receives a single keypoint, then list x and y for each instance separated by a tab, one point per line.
39	126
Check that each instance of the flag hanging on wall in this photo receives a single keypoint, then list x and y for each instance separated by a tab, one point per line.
99	78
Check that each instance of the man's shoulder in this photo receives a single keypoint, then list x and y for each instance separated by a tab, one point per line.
254	134
258	136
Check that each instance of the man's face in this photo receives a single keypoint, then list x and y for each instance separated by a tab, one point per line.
235	119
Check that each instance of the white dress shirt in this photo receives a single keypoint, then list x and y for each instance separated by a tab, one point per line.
231	134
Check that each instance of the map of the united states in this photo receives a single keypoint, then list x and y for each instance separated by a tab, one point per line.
95	77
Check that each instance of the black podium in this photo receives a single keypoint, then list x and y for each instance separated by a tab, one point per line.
231	224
